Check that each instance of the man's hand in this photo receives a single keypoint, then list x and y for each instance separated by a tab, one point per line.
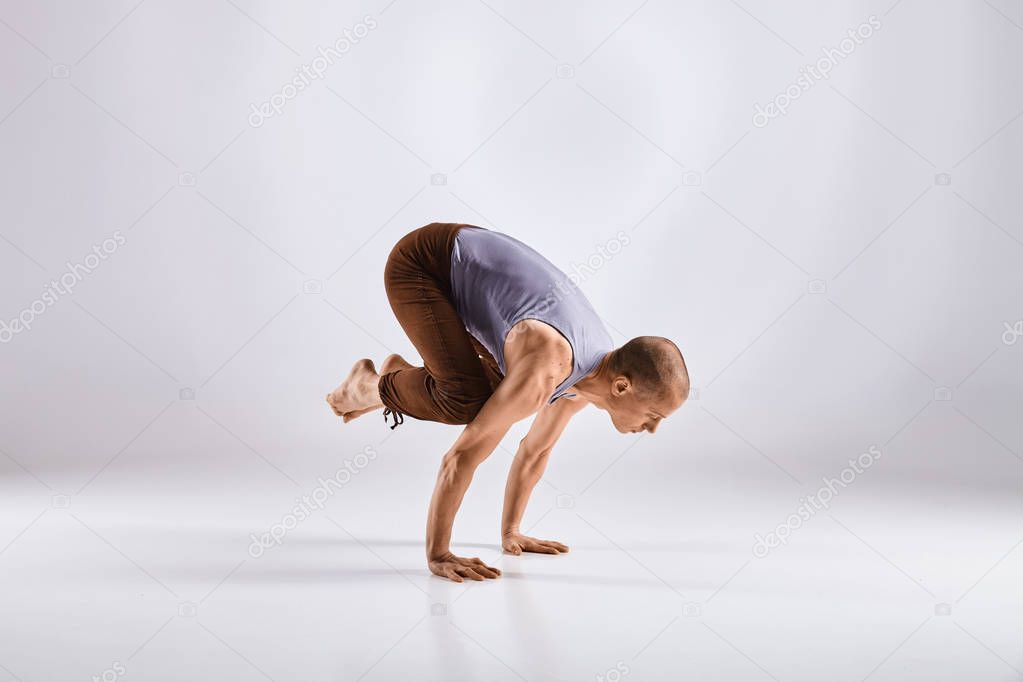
517	543
456	568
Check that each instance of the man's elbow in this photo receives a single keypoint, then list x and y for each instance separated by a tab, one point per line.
535	461
458	464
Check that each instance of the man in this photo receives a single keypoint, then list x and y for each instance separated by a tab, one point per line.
503	335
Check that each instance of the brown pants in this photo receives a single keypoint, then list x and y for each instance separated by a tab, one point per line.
458	373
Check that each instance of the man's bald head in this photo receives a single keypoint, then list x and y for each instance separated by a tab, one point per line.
654	365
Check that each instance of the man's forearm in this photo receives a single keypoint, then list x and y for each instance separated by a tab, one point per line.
453	479
525	472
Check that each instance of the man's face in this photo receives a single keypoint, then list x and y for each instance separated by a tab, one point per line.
632	412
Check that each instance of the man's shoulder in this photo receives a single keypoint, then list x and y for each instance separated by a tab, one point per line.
536	337
537	347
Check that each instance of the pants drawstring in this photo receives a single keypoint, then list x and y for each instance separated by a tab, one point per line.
398	417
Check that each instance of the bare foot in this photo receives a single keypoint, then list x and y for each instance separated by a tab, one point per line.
394	362
357	394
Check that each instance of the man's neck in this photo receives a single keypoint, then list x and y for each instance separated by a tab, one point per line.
594	386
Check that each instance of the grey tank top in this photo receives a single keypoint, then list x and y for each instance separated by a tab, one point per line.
497	281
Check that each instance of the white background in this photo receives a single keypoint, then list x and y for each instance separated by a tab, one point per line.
838	279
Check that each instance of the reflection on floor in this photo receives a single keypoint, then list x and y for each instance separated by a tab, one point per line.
170	581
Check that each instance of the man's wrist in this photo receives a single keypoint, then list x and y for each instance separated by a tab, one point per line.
511	530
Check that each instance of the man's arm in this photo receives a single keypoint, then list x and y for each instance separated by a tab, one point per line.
527	468
519	395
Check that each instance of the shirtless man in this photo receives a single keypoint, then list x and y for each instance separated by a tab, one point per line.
503	335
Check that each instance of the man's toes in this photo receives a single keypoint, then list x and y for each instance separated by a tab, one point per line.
354	414
330	401
364	365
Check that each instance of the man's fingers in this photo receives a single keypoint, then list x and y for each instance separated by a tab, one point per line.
477	562
487	571
540	549
458	569
553	545
469	573
477	570
527	544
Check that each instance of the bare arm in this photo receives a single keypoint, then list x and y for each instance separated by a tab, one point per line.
519	395
527	468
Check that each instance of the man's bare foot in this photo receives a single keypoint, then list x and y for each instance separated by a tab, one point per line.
394	362
357	394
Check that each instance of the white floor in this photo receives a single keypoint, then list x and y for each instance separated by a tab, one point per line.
146	573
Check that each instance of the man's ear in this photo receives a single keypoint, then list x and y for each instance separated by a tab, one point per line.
620	386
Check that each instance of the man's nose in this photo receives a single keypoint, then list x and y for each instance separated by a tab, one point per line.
651	427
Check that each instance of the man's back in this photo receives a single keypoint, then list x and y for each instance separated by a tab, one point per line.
497	281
